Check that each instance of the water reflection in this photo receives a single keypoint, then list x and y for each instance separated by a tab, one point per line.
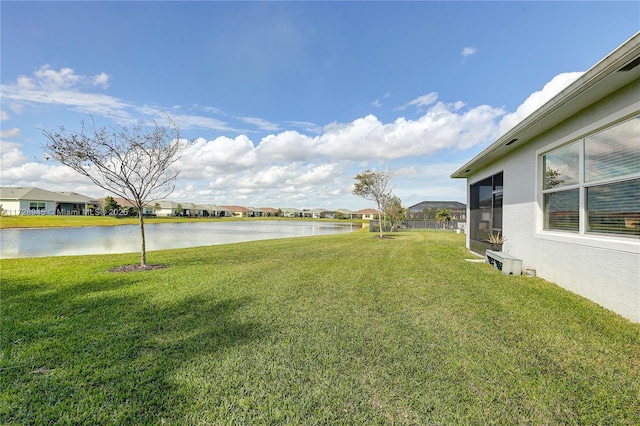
126	238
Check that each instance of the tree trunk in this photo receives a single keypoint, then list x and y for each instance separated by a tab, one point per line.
143	251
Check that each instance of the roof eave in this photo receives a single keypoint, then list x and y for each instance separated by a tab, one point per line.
565	104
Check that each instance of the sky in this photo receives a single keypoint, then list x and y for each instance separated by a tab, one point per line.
283	103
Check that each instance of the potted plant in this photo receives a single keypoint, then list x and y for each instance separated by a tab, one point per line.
496	240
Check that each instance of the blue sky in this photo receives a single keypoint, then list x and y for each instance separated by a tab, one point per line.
285	102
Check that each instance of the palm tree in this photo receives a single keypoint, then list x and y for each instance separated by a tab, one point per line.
443	214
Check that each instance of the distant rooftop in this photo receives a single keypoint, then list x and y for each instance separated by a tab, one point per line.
437	205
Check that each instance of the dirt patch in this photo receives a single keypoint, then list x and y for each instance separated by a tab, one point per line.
137	267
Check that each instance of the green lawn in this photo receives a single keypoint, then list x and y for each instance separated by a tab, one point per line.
341	329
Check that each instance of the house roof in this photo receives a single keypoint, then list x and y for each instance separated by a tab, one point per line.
436	205
39	194
319	211
164	204
345	211
615	71
237	209
367	211
121	202
211	207
268	209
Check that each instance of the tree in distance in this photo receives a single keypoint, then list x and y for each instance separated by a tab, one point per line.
443	215
136	163
109	204
395	213
373	186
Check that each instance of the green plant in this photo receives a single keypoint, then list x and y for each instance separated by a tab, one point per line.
496	238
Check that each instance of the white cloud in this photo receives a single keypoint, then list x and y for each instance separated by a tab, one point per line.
65	88
305	126
287	146
101	79
443	126
55	80
315	174
261	123
378	103
420	101
66	78
537	99
10	133
468	51
11	155
306	168
62	88
185	121
48	176
206	159
3	115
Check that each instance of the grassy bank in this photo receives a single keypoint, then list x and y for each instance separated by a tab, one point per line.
341	329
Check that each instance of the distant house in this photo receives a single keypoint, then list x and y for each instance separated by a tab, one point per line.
268	211
320	214
210	210
165	208
255	212
563	186
239	211
429	209
345	214
191	210
291	212
126	205
368	214
37	201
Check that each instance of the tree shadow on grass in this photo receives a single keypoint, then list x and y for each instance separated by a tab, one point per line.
100	352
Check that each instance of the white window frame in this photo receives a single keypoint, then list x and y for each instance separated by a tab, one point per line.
583	238
39	205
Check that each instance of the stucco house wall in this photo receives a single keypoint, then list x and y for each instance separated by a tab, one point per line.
603	268
38	201
16	207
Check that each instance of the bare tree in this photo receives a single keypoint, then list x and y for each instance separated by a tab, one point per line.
136	163
373	186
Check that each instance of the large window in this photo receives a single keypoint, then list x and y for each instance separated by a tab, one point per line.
485	207
592	185
37	205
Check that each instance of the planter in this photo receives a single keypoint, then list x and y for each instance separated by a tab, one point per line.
496	247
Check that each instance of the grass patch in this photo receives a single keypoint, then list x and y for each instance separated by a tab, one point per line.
339	329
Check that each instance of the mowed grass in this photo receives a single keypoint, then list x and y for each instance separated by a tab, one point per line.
343	329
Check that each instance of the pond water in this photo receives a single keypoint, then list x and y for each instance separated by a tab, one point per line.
41	242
